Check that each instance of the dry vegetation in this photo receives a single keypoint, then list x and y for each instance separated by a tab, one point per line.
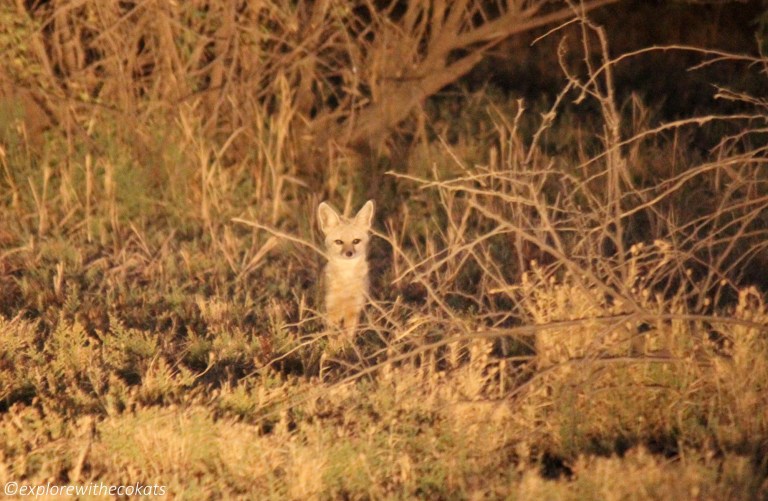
568	303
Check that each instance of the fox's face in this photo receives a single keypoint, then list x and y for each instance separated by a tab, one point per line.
345	238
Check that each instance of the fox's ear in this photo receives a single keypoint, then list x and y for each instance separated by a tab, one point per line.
365	215
327	217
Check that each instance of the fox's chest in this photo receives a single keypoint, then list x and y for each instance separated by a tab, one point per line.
350	271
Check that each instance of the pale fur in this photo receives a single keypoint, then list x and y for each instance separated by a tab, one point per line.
346	274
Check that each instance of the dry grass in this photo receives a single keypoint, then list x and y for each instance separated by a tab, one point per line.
569	324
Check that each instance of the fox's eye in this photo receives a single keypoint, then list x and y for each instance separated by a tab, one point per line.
338	242
355	241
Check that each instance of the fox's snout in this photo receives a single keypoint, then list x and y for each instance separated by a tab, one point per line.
348	250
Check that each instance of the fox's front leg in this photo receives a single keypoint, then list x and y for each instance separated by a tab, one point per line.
343	326
351	319
335	324
334	319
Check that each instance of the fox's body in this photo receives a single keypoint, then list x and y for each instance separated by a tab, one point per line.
346	274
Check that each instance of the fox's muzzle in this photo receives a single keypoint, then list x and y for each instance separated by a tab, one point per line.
348	250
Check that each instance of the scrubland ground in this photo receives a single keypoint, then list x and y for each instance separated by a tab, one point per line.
568	303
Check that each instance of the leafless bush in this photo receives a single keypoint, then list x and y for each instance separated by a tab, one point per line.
527	239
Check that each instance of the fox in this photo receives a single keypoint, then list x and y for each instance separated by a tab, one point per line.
346	273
